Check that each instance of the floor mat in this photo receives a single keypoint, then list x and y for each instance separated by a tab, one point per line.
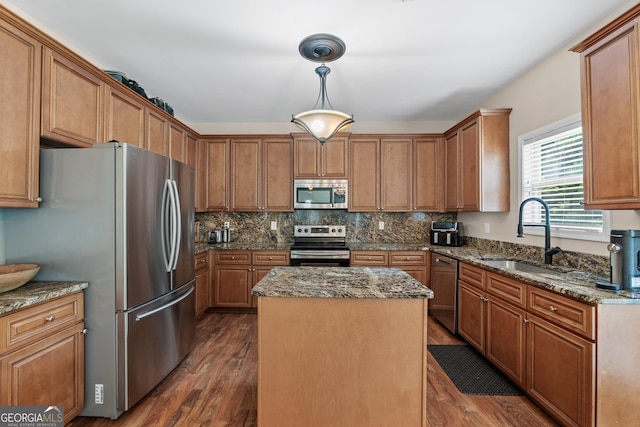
471	373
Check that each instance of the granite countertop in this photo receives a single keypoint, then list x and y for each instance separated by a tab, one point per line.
574	283
242	246
331	282
36	292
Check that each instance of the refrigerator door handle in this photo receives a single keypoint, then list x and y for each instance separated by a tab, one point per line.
177	221
144	314
165	228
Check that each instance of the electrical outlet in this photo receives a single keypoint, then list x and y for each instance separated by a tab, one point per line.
487	228
226	224
381	225
274	225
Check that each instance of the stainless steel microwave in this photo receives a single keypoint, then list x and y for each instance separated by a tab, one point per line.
320	194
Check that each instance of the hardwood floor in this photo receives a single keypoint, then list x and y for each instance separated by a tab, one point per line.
216	386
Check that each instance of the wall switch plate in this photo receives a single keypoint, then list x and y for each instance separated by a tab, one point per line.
274	225
381	225
487	228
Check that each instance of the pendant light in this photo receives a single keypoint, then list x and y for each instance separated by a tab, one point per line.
322	123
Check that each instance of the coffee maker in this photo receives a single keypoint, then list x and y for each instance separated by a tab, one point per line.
624	252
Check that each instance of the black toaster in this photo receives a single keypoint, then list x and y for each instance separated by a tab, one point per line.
446	233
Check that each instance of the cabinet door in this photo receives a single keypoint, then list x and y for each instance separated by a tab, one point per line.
157	133
217	160
396	178
125	118
177	137
246	171
560	372
277	182
426	171
49	372
471	314
335	158
202	283
611	97
469	172
19	136
452	184
232	286
506	343
307	157
364	175
72	102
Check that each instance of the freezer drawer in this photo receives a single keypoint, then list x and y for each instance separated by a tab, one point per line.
152	340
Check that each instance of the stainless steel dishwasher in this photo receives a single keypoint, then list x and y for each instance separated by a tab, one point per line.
444	284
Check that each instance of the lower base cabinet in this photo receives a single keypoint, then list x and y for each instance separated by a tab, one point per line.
415	263
42	356
202	283
236	272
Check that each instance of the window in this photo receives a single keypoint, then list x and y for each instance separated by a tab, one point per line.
551	169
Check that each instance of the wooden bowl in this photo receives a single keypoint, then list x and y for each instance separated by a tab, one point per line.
13	276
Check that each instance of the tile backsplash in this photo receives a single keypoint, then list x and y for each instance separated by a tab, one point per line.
362	227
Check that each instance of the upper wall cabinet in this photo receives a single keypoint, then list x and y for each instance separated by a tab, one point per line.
315	160
427	172
20	112
124	117
72	102
476	153
611	114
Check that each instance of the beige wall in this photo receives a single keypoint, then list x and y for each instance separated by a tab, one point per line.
545	94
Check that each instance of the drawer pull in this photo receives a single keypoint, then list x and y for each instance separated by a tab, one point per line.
270	258
50	318
552	308
233	257
407	258
369	259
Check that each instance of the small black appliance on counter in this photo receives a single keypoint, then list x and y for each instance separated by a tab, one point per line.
446	233
625	261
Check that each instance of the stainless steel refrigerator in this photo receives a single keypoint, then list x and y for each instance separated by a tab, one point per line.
121	218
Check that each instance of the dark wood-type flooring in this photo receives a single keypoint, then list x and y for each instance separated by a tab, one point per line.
216	385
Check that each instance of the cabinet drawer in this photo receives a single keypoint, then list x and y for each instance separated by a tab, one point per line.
370	258
472	275
507	289
570	314
407	258
202	260
270	257
232	257
30	324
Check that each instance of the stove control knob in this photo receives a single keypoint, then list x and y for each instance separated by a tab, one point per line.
299	230
333	230
306	230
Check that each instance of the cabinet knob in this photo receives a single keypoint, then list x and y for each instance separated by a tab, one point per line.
407	259
39	199
84	331
233	257
552	308
50	318
270	258
369	259
525	320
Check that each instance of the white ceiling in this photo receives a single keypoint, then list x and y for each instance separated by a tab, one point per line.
238	60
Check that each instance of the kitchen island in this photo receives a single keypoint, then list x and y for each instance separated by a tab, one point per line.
341	346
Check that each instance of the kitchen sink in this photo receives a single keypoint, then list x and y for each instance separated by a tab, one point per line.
519	266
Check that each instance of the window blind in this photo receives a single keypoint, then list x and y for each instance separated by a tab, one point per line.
552	170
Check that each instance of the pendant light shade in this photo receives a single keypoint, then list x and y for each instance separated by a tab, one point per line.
322	123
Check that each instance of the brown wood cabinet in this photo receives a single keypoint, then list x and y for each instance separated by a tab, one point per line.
125	117
202	283
427	170
157	132
476	154
261	175
415	263
610	72
236	272
20	77
315	160
72	102
380	174
216	156
42	355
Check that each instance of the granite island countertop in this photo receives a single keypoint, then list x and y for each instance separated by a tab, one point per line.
331	282
36	292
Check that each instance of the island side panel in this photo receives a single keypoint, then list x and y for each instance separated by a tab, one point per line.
343	362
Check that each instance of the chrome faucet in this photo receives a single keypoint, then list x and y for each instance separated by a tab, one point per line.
549	252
